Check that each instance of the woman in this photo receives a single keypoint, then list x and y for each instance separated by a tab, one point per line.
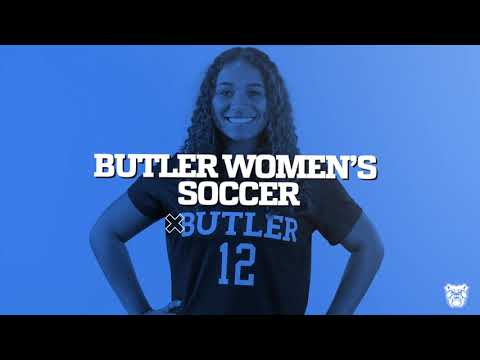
239	260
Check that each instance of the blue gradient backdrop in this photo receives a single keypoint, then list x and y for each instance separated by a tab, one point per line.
416	107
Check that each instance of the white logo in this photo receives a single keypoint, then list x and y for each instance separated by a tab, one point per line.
456	295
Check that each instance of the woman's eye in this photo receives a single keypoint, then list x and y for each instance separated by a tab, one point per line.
254	93
227	93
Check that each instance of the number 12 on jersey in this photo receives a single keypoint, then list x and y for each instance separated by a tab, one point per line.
241	248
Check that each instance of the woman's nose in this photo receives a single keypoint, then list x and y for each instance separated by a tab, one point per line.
239	99
240	111
237	111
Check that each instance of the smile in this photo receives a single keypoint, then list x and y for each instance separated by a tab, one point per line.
240	120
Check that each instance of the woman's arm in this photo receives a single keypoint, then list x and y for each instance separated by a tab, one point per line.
120	222
367	252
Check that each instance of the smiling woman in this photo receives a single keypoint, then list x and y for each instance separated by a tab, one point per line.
240	102
243	109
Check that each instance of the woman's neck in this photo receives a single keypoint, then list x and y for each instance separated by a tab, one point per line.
241	147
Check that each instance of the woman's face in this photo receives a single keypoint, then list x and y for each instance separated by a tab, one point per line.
240	102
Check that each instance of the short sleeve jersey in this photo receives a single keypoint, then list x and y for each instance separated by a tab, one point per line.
244	260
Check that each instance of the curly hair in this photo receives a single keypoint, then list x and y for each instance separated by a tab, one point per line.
279	135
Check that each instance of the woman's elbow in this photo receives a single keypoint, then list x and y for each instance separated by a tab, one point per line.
95	237
374	243
379	250
371	245
100	237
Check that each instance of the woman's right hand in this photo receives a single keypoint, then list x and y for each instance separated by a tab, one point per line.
166	310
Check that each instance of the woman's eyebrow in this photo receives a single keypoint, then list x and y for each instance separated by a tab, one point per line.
255	85
224	83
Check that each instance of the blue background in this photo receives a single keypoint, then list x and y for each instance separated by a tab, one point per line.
416	108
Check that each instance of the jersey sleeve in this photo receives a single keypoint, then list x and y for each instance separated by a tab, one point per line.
147	195
332	211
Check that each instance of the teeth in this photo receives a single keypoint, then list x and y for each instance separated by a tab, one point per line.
239	120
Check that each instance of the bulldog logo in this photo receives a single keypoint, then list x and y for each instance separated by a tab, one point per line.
456	295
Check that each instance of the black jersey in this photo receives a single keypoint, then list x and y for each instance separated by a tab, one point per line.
244	260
